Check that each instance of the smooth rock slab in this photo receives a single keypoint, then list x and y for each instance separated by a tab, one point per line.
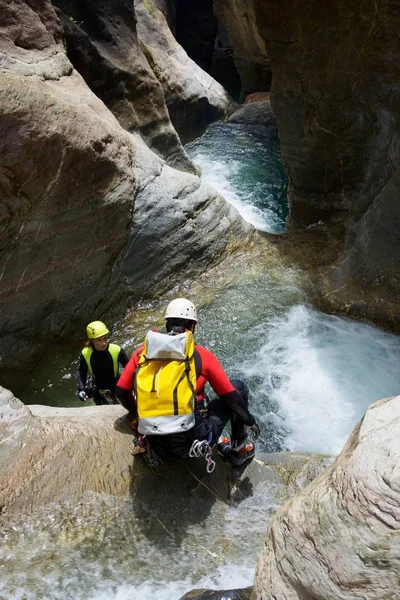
339	538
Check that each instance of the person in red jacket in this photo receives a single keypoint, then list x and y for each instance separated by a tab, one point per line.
210	418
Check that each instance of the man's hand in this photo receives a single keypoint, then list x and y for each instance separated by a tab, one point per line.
255	430
82	396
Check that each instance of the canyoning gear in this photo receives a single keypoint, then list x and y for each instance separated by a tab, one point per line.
96	329
164	384
180	308
98	370
113	349
208	418
241	453
208	370
108	397
224	446
203	448
143	449
255	430
90	387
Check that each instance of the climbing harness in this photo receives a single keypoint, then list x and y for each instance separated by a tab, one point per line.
150	456
203	448
107	395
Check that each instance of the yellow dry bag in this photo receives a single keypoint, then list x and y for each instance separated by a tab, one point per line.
165	384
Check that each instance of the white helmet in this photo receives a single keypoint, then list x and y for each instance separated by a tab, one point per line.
180	308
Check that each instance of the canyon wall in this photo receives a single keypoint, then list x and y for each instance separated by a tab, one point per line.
335	95
91	217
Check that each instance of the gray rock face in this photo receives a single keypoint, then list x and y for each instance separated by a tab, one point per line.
103	46
340	536
90	217
240	19
194	99
196	30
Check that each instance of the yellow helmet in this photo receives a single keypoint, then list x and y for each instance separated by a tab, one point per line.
96	329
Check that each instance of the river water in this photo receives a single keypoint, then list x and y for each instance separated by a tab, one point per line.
311	377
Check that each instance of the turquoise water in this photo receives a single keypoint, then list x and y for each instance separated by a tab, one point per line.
243	163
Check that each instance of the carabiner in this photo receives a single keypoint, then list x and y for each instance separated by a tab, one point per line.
210	465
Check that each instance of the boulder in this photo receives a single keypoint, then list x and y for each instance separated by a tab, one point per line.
59	454
254	113
257	97
69	485
54	454
340	536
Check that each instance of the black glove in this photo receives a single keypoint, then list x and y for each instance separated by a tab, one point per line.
255	430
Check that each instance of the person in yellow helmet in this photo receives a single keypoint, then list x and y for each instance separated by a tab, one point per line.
100	360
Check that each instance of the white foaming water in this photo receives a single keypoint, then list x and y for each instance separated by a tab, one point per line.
229	577
318	375
216	174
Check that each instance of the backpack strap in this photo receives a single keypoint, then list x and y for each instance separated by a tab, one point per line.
198	363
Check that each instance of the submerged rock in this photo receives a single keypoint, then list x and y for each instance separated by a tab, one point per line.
254	113
242	594
340	536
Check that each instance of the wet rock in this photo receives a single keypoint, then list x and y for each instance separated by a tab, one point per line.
57	455
339	537
242	594
103	46
337	115
194	99
254	113
240	19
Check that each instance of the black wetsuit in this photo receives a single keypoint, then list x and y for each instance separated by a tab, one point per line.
102	366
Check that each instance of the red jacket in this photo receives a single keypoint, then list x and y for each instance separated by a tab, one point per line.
211	372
